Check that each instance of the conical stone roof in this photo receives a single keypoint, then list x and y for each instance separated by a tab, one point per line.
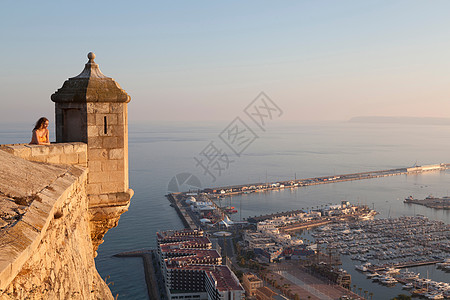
90	86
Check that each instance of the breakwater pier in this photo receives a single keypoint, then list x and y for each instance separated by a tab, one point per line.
295	183
155	288
405	264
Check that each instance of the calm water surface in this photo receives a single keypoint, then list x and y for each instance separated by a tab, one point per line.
159	151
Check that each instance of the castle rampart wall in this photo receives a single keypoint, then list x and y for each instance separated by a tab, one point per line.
61	153
48	253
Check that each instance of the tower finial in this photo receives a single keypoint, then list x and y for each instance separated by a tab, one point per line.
91	56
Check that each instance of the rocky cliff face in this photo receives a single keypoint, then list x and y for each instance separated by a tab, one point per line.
46	250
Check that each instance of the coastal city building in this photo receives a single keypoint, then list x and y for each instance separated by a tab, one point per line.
251	282
265	293
192	269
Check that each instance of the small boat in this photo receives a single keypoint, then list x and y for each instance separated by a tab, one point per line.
372	275
389	281
408	286
363	267
434	295
419	292
390	270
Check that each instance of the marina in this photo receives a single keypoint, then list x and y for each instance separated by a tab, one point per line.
388	245
346	230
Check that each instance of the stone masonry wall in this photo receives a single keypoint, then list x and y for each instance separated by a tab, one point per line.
61	153
108	148
48	253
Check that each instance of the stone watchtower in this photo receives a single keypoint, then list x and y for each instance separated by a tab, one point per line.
92	108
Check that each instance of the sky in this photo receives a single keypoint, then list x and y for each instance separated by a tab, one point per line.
207	60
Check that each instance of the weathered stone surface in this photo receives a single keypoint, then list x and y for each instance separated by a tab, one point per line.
91	86
21	178
51	256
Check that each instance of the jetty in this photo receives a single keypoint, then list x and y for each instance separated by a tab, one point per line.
402	265
431	202
295	183
154	287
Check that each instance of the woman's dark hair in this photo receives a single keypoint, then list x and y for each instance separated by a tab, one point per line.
39	123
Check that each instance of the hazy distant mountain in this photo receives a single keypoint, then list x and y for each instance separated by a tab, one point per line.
401	120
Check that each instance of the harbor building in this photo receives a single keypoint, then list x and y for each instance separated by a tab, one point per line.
193	270
251	283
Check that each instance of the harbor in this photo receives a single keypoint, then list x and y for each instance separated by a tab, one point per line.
203	209
385	246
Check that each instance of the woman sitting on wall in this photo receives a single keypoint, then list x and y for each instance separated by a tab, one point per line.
40	132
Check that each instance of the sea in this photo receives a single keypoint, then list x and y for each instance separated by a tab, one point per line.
160	152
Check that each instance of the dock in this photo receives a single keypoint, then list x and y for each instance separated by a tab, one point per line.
295	183
153	288
402	265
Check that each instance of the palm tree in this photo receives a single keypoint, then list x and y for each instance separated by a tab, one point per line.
360	289
371	295
354	288
365	294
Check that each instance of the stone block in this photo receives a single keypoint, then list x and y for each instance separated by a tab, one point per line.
95	165
93	130
112	119
116	153
110	142
116	108
101	108
70	158
121	142
19	150
39	158
120	165
35	217
79	147
38	150
6	275
55	159
94	188
116	176
121	119
55	149
97	154
118	130
82	158
68	148
95	142
97	177
91	119
100	119
109	165
90	108
47	198
111	187
44	208
78	172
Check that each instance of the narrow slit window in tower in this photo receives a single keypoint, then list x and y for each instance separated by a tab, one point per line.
105	125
